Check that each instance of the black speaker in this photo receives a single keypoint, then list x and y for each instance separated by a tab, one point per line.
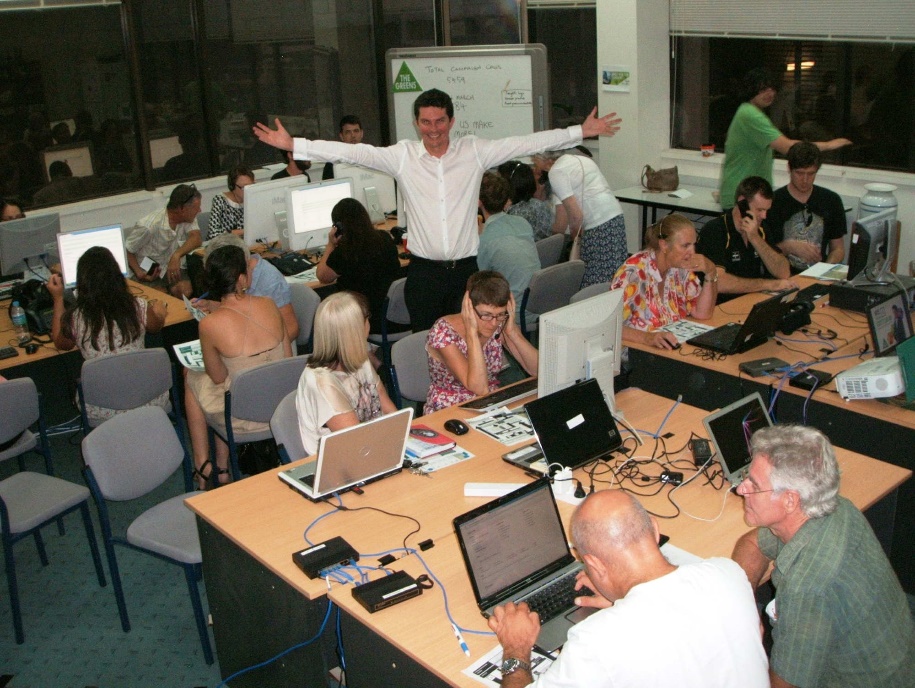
797	316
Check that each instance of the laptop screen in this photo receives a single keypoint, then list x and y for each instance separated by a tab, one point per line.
73	245
508	542
730	430
890	322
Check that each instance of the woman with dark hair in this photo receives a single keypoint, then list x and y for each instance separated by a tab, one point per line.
243	332
227	213
106	318
465	349
538	213
359	257
10	210
339	387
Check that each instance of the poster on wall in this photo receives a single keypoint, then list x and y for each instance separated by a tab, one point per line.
615	78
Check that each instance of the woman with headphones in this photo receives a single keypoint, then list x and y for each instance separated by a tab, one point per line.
227	214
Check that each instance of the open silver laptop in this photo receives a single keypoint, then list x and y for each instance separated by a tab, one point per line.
515	550
353	456
730	430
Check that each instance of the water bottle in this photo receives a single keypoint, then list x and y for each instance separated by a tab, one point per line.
20	324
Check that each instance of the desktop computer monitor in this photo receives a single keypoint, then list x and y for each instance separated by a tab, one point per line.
581	341
73	245
22	240
379	202
870	247
265	208
164	149
308	211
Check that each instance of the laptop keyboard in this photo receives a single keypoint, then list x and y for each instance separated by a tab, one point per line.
291	263
555	598
721	337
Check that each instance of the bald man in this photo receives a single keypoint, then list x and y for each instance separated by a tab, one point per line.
658	624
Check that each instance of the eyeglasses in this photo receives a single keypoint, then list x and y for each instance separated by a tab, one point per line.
489	317
746	493
808	216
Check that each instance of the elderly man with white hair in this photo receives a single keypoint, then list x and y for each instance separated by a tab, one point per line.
840	617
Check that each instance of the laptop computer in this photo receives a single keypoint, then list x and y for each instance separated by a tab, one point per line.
573	426
515	549
353	456
73	245
760	324
730	429
502	396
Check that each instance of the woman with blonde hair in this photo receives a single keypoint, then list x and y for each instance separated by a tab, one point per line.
661	286
339	387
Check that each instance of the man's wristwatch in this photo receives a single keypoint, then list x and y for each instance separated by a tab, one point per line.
511	664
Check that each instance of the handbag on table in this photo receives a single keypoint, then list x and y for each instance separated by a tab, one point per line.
660	180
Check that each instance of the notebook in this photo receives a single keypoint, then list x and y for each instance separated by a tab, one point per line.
574	427
730	430
515	549
760	324
353	456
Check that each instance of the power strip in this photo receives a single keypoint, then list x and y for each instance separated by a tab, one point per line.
490	489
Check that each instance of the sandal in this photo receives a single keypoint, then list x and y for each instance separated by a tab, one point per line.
205	480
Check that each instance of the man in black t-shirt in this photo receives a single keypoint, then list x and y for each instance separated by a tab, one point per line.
738	245
807	222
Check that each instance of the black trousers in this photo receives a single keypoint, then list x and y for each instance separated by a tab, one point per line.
435	288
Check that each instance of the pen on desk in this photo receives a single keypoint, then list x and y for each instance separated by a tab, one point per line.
460	639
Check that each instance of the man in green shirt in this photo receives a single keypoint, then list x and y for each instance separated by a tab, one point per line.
840	617
752	137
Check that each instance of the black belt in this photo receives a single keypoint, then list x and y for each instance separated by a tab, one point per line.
444	264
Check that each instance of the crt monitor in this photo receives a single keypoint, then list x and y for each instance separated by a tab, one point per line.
78	157
73	245
29	238
870	247
308	210
379	202
265	208
582	341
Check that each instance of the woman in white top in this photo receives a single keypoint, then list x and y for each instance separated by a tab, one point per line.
339	387
587	206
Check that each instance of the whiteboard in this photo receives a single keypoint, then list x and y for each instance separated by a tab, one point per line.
498	90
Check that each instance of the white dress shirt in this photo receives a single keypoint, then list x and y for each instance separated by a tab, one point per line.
440	194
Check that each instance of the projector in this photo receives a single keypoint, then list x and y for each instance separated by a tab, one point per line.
874	379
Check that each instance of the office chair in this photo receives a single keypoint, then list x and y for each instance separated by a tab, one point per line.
20	409
254	396
550	249
284	424
410	369
127	457
550	288
393	310
128	380
203	221
304	302
588	292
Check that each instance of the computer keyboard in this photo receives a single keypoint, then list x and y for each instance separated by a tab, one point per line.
291	263
555	598
503	396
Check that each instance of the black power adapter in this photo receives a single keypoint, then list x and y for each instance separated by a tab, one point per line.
672	477
810	379
702	450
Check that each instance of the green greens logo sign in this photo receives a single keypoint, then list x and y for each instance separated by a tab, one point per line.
405	81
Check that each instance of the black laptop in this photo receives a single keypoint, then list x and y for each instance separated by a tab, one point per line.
760	324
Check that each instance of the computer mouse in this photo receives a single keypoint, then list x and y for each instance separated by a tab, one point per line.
457	427
31	348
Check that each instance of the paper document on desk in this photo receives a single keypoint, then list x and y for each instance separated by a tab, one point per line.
507	427
826	271
684	330
310	275
680	193
487	669
190	355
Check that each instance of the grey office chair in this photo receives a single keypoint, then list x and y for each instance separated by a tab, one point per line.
28	502
203	221
410	369
126	381
550	249
20	410
393	310
304	302
588	292
550	288
127	457
284	424
254	396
